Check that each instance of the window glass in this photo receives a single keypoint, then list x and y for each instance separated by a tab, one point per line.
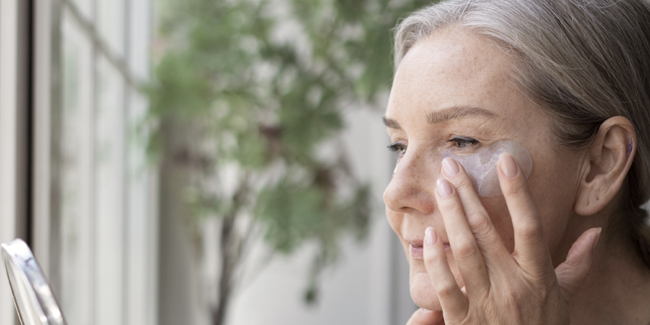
74	199
141	236
102	190
109	188
142	257
111	23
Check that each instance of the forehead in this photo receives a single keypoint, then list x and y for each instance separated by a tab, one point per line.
454	67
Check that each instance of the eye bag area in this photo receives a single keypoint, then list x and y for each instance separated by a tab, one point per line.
481	166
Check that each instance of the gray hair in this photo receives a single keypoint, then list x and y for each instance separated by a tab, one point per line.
584	61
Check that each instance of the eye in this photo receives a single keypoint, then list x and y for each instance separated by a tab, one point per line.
399	148
462	142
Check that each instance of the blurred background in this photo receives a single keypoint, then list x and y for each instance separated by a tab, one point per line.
203	162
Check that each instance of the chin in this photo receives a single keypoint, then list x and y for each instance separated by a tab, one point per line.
422	292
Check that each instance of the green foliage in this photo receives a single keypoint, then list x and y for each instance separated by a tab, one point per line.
295	214
262	84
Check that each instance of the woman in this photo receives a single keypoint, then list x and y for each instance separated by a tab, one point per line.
569	81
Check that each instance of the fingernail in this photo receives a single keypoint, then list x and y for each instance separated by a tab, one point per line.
600	230
444	188
423	311
450	167
508	166
430	237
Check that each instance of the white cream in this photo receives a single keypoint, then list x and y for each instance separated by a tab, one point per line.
482	165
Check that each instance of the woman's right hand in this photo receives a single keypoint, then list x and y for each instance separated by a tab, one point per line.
522	287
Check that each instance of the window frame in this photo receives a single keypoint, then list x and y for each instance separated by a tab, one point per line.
15	90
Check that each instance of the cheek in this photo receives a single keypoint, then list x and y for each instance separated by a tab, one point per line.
554	206
554	196
556	211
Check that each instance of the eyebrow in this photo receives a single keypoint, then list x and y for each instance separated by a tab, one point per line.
446	115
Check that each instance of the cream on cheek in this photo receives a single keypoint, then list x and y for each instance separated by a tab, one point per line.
481	167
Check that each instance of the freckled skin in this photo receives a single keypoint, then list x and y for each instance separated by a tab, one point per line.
454	67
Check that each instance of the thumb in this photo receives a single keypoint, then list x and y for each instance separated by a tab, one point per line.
573	271
426	317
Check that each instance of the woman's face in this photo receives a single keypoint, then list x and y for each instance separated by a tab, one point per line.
454	90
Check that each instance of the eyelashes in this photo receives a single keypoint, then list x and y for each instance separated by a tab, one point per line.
462	142
459	142
397	148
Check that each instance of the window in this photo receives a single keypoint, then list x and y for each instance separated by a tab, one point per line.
95	222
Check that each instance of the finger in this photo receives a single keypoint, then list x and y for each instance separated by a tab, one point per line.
487	238
469	258
531	249
425	317
453	301
575	268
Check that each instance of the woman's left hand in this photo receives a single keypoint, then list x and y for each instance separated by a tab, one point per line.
426	317
501	287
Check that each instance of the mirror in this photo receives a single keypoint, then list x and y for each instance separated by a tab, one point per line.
33	297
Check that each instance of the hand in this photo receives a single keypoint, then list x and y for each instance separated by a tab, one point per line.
426	317
500	287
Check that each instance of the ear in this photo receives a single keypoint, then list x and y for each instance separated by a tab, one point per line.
609	158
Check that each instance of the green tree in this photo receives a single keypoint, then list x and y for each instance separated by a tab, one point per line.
256	88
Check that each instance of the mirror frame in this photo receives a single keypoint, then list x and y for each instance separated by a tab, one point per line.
33	297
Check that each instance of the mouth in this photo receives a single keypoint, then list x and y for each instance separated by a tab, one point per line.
416	250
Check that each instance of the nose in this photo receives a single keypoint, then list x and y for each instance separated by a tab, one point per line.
411	188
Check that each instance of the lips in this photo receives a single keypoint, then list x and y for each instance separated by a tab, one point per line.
415	248
417	251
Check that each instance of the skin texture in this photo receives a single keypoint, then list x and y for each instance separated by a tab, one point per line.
569	195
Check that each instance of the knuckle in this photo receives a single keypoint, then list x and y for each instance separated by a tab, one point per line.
479	223
542	292
530	229
446	289
512	295
465	249
510	300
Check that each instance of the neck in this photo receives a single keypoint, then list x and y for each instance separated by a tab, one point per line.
617	289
